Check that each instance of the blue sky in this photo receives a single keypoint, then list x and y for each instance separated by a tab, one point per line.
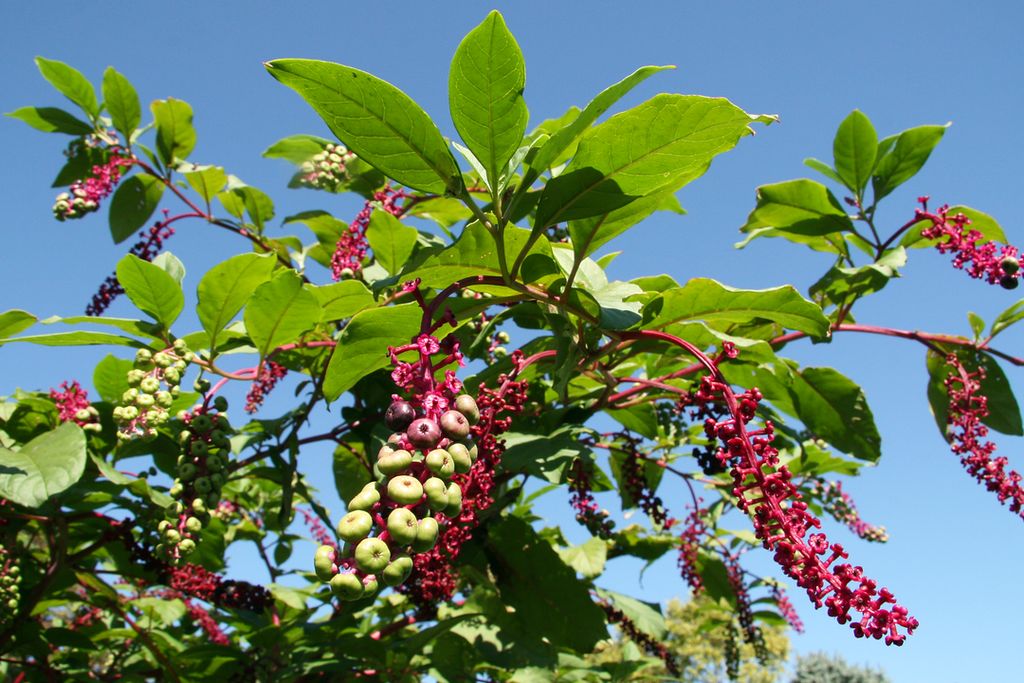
954	554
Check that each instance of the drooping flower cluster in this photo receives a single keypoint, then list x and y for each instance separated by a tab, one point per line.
646	641
151	241
744	613
690	540
786	609
763	488
327	170
206	622
635	483
269	375
996	264
73	406
840	506
351	248
967	435
588	512
84	195
317	529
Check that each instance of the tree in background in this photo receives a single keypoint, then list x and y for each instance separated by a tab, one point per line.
821	668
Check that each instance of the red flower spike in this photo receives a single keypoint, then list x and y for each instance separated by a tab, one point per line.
997	265
841	507
352	246
270	374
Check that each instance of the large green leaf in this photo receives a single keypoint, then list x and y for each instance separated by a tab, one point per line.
376	120
854	149
14	321
121	100
841	285
659	145
296	148
226	287
343	299
904	157
835	408
279	312
566	135
151	289
175	136
51	120
132	205
798	207
485	94
77	338
206	180
645	615
1010	316
350	472
588	558
705	299
44	467
111	378
364	343
589	234
392	240
543	590
71	83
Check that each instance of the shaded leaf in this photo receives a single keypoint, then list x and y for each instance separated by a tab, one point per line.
45	466
133	204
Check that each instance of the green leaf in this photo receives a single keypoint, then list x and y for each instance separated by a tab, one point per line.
824	169
1011	315
71	83
175	136
705	299
226	287
566	135
645	615
485	94
376	120
640	418
799	207
587	558
840	284
343	299
111	378
659	145
835	409
133	204
206	180
77	338
121	100
544	592
15	321
904	158
350	472
280	311
45	466
545	456
977	323
364	343
296	148
854	149
51	120
590	234
392	241
151	289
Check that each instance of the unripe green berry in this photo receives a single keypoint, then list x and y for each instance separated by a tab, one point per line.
162	360
454	507
187	546
199	506
439	462
405	490
202	385
193	525
466	405
426	535
365	499
372	555
355	526
149	385
393	462
370	586
220	403
402	526
198	448
397	571
172	535
347	586
323	562
460	457
437	493
202	423
186	471
1009	265
202	485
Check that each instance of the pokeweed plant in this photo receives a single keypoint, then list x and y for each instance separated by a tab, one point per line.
399	321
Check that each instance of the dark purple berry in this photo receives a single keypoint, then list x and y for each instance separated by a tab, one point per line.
1010	265
399	415
423	433
1009	282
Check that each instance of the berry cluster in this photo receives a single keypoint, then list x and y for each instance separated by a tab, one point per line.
690	540
154	384
205	448
327	170
635	483
751	633
649	644
83	197
402	511
73	406
351	248
839	505
968	407
588	513
996	264
764	490
10	581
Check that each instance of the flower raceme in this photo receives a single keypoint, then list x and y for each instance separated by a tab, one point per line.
763	488
352	246
839	504
84	196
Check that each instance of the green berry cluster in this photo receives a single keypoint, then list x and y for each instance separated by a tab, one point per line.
401	513
328	169
153	385
10	581
202	471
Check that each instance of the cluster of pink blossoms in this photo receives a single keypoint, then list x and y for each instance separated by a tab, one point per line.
763	488
588	512
997	265
967	408
352	246
269	375
787	609
839	504
84	195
